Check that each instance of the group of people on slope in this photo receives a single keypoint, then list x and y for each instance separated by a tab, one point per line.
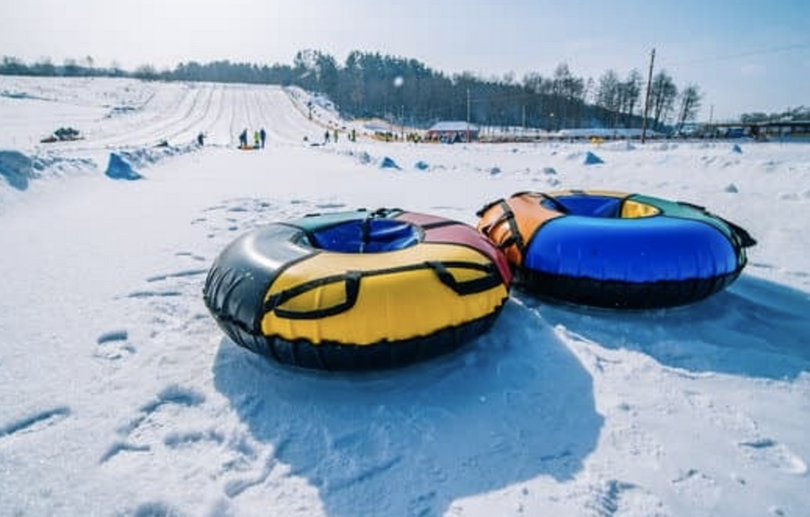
259	137
334	135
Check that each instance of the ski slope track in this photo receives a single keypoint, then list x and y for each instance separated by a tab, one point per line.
120	396
174	113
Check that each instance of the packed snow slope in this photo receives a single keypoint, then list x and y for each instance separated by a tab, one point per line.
119	395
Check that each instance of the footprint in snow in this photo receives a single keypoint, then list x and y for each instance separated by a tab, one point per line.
177	274
112	336
182	277
775	455
698	487
34	422
192	256
141	432
114	345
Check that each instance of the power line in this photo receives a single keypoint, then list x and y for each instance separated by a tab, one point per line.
647	97
726	57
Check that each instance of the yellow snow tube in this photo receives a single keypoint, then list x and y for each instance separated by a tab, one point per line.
358	290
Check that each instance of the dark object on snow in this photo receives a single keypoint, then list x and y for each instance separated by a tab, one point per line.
119	169
389	163
592	159
63	134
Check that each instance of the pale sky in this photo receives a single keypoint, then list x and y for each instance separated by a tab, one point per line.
744	56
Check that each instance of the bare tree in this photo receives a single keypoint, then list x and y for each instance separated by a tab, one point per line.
690	103
630	93
663	95
608	95
568	92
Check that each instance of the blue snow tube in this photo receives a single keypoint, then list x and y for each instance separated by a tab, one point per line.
612	249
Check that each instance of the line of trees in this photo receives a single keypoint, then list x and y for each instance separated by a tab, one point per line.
84	67
406	91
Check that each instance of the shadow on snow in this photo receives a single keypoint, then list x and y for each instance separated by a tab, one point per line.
511	406
755	328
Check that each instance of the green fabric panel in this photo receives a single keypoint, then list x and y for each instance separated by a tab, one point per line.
683	211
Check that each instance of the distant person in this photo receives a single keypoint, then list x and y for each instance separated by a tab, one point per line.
263	136
243	138
326	137
336	135
256	140
201	139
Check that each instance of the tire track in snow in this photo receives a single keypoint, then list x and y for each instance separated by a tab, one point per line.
289	125
212	129
146	126
175	120
165	130
188	126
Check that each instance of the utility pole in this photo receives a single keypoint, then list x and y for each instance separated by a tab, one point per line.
523	117
647	98
468	114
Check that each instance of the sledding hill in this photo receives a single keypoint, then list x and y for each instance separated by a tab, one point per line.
125	113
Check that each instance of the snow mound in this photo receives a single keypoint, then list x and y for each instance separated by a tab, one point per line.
123	164
16	168
119	168
19	169
389	163
592	159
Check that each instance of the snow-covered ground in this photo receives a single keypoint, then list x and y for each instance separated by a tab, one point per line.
119	395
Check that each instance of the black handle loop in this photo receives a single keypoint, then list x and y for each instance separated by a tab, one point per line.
476	285
485	208
506	216
745	239
509	241
351	283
